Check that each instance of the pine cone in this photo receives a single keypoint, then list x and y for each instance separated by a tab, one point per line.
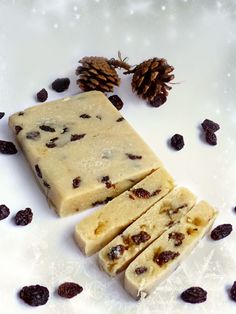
96	73
150	78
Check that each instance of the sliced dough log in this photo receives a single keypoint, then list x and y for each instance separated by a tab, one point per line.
145	230
96	230
162	257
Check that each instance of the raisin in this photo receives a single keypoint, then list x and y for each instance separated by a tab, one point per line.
21	113
120	119
140	270
38	171
164	257
34	295
209	125
211	138
51	143
99	117
76	137
177	141
116	101
4	212
232	292
221	231
46	184
85	116
18	128
106	180
24	217
33	135
158	101
141	193
194	295
42	95
64	130
141	237
116	252
133	157
7	148
2	114
156	192
69	290
105	201
178	238
47	128
61	84
76	182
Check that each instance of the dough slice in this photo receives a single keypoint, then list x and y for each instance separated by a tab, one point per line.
165	254
145	230
96	230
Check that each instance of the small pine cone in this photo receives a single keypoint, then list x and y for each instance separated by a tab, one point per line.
96	73
150	80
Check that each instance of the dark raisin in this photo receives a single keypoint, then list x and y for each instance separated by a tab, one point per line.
221	231
76	182
120	119
211	138
85	116
158	101
4	212
76	137
178	238
232	292
34	295
64	130
116	252
42	95
18	128
51	143
2	114
105	179
116	101
61	84
21	113
164	257
7	148
156	192
33	135
46	184
140	270
69	290
194	295
235	208
141	193
105	201
141	237
209	125
133	157
47	128
38	171
177	141
24	217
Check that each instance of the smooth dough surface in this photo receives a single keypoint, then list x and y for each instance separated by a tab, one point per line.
81	150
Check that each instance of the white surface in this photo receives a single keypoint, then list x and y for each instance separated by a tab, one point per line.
41	40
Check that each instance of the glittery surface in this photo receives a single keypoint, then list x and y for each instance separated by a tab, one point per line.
41	40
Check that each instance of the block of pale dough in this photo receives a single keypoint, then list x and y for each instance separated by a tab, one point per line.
117	254
96	230
164	255
82	151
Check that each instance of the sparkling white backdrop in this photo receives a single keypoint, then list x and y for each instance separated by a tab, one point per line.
41	40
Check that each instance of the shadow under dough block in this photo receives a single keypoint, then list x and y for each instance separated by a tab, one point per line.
133	240
95	231
165	254
82	151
